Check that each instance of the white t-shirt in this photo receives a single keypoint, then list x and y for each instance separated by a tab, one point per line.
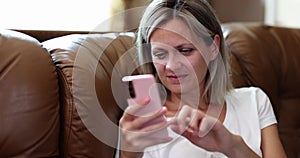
248	110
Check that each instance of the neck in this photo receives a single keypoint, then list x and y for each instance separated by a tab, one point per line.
176	101
193	98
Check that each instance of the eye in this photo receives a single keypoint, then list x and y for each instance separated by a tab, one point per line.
159	54
186	51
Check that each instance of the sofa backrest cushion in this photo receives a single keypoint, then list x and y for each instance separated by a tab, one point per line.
93	96
29	99
269	57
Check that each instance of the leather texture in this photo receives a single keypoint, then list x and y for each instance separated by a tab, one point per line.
92	59
29	98
51	92
269	57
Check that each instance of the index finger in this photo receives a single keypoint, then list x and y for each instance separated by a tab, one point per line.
184	115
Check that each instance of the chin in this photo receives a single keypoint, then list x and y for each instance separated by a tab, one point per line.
184	89
174	88
178	89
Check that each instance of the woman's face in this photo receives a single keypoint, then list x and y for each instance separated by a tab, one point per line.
180	63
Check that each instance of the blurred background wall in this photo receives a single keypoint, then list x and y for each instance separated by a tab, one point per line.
272	12
227	11
239	10
122	15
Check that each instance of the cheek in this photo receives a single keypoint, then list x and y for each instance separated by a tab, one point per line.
159	68
199	66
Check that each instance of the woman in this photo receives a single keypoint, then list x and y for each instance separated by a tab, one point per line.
207	117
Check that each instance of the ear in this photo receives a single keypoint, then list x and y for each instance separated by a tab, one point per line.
215	47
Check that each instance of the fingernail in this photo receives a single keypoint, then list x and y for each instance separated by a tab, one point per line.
164	109
170	120
148	98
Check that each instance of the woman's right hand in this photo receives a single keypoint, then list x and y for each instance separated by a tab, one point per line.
135	135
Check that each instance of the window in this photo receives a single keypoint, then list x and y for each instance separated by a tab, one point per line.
54	14
283	13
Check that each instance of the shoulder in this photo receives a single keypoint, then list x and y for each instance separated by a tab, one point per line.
248	92
248	97
253	99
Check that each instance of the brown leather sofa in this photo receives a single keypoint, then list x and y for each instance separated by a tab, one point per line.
269	57
63	97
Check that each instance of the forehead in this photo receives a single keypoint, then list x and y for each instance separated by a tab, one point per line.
177	26
171	30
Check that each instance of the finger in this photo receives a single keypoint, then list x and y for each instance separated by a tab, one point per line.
207	124
178	129
196	117
154	141
157	126
184	115
133	107
140	144
159	115
186	132
152	131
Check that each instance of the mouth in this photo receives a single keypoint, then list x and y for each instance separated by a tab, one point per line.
176	78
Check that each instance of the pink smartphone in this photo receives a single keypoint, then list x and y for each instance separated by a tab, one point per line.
140	87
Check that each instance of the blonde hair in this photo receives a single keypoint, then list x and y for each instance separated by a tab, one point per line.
203	22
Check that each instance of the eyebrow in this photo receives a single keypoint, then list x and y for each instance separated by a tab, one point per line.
161	46
183	45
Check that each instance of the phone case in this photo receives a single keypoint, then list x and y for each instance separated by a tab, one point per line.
140	87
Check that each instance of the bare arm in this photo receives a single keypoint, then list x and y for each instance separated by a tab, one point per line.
270	143
271	146
240	149
126	154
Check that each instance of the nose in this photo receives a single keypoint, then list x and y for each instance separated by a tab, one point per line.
174	61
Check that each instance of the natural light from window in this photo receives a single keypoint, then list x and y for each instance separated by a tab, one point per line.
54	14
